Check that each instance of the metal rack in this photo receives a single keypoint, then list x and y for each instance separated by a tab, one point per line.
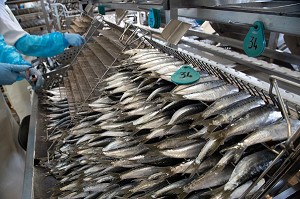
33	20
93	60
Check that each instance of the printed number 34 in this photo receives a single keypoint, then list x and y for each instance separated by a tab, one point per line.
253	43
185	74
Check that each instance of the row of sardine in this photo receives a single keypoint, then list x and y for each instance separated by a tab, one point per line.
149	138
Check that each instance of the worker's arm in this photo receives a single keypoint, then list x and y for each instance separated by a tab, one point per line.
47	45
14	68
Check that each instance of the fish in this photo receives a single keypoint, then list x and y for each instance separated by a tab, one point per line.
210	179
186	111
159	66
189	151
234	112
167	130
170	188
212	94
185	167
272	132
138	50
200	87
249	167
139	173
126	152
159	90
254	119
142	136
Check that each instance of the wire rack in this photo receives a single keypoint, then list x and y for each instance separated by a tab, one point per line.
289	152
95	58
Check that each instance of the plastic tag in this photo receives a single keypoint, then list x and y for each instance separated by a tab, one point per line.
185	75
101	9
254	42
154	18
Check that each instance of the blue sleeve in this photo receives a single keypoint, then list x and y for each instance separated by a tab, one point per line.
46	45
8	54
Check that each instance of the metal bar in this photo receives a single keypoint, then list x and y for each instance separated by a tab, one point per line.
285	167
94	26
273	80
29	167
284	24
268	52
244	60
135	6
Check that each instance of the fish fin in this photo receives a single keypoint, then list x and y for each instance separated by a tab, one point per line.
194	167
218	143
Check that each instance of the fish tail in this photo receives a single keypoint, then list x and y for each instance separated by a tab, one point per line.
206	122
208	129
197	120
194	167
236	150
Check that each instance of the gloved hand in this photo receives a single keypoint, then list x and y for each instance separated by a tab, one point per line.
74	39
35	78
10	73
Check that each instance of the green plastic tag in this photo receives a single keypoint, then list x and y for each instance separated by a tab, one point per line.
101	9
254	42
154	18
185	75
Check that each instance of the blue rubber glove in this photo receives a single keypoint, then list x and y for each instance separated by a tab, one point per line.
74	39
10	73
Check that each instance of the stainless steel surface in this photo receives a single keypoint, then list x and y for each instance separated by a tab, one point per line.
271	53
174	31
247	61
29	167
211	3
136	6
276	23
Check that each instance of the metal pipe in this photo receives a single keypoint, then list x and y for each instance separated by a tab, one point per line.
273	80
283	107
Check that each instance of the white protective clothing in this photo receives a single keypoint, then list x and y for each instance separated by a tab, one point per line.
12	156
17	93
